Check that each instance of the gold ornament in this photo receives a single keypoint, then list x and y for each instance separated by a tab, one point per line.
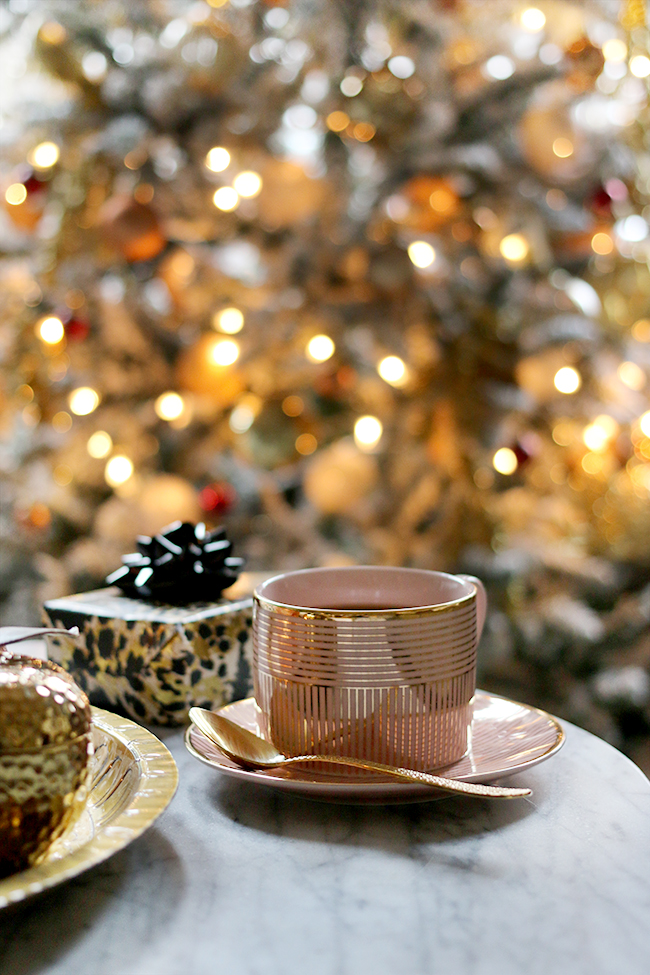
198	372
339	478
131	228
45	746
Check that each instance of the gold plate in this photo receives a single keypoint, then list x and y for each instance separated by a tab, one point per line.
134	780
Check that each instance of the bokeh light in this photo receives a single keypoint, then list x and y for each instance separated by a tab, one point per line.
368	431
320	348
567	380
83	400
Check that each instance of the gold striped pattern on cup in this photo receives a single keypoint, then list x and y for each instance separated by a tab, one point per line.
391	685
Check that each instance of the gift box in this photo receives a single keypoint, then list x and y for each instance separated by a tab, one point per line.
153	661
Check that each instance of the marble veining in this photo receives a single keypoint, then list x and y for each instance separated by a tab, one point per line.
239	879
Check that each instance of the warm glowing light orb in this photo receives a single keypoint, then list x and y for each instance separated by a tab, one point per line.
226	198
614	49
217	159
229	320
631	375
99	444
421	254
15	194
602	243
392	370
562	148
224	352
597	435
337	121
44	155
83	400
367	432
644	424
118	470
532	19
514	248
306	444
248	184
640	66
567	380
169	406
320	348
505	461
50	330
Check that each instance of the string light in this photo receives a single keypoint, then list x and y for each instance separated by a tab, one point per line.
442	200
337	121
292	405
169	406
99	444
631	375
602	243
351	86
224	352
392	370
15	194
641	330
401	67
514	248
614	49
306	444
567	380
83	400
217	159
44	156
248	184
500	67
320	348
532	19
505	461
118	470
640	66
368	431
226	198
229	320
62	421
562	147
421	254
50	330
597	435
241	418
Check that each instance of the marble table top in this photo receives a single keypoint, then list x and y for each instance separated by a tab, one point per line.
241	879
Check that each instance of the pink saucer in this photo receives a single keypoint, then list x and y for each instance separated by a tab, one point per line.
505	738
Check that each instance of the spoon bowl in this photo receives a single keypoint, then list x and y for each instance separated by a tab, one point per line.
251	751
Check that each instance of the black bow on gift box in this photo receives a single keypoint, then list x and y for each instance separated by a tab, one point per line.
183	564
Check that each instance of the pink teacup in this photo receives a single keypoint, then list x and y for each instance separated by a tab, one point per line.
368	661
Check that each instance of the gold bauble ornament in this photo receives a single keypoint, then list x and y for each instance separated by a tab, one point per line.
45	747
131	228
339	477
197	372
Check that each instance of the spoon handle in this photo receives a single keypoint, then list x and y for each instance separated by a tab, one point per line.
424	778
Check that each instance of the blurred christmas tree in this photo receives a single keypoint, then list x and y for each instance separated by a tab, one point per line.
365	281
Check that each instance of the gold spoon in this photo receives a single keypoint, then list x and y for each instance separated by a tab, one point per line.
251	751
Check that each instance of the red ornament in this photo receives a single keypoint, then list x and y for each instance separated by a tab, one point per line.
601	202
33	184
76	329
526	447
217	498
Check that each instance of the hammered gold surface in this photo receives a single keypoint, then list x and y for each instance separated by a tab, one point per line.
133	778
45	745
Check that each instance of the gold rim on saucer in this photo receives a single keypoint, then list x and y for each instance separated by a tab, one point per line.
134	779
